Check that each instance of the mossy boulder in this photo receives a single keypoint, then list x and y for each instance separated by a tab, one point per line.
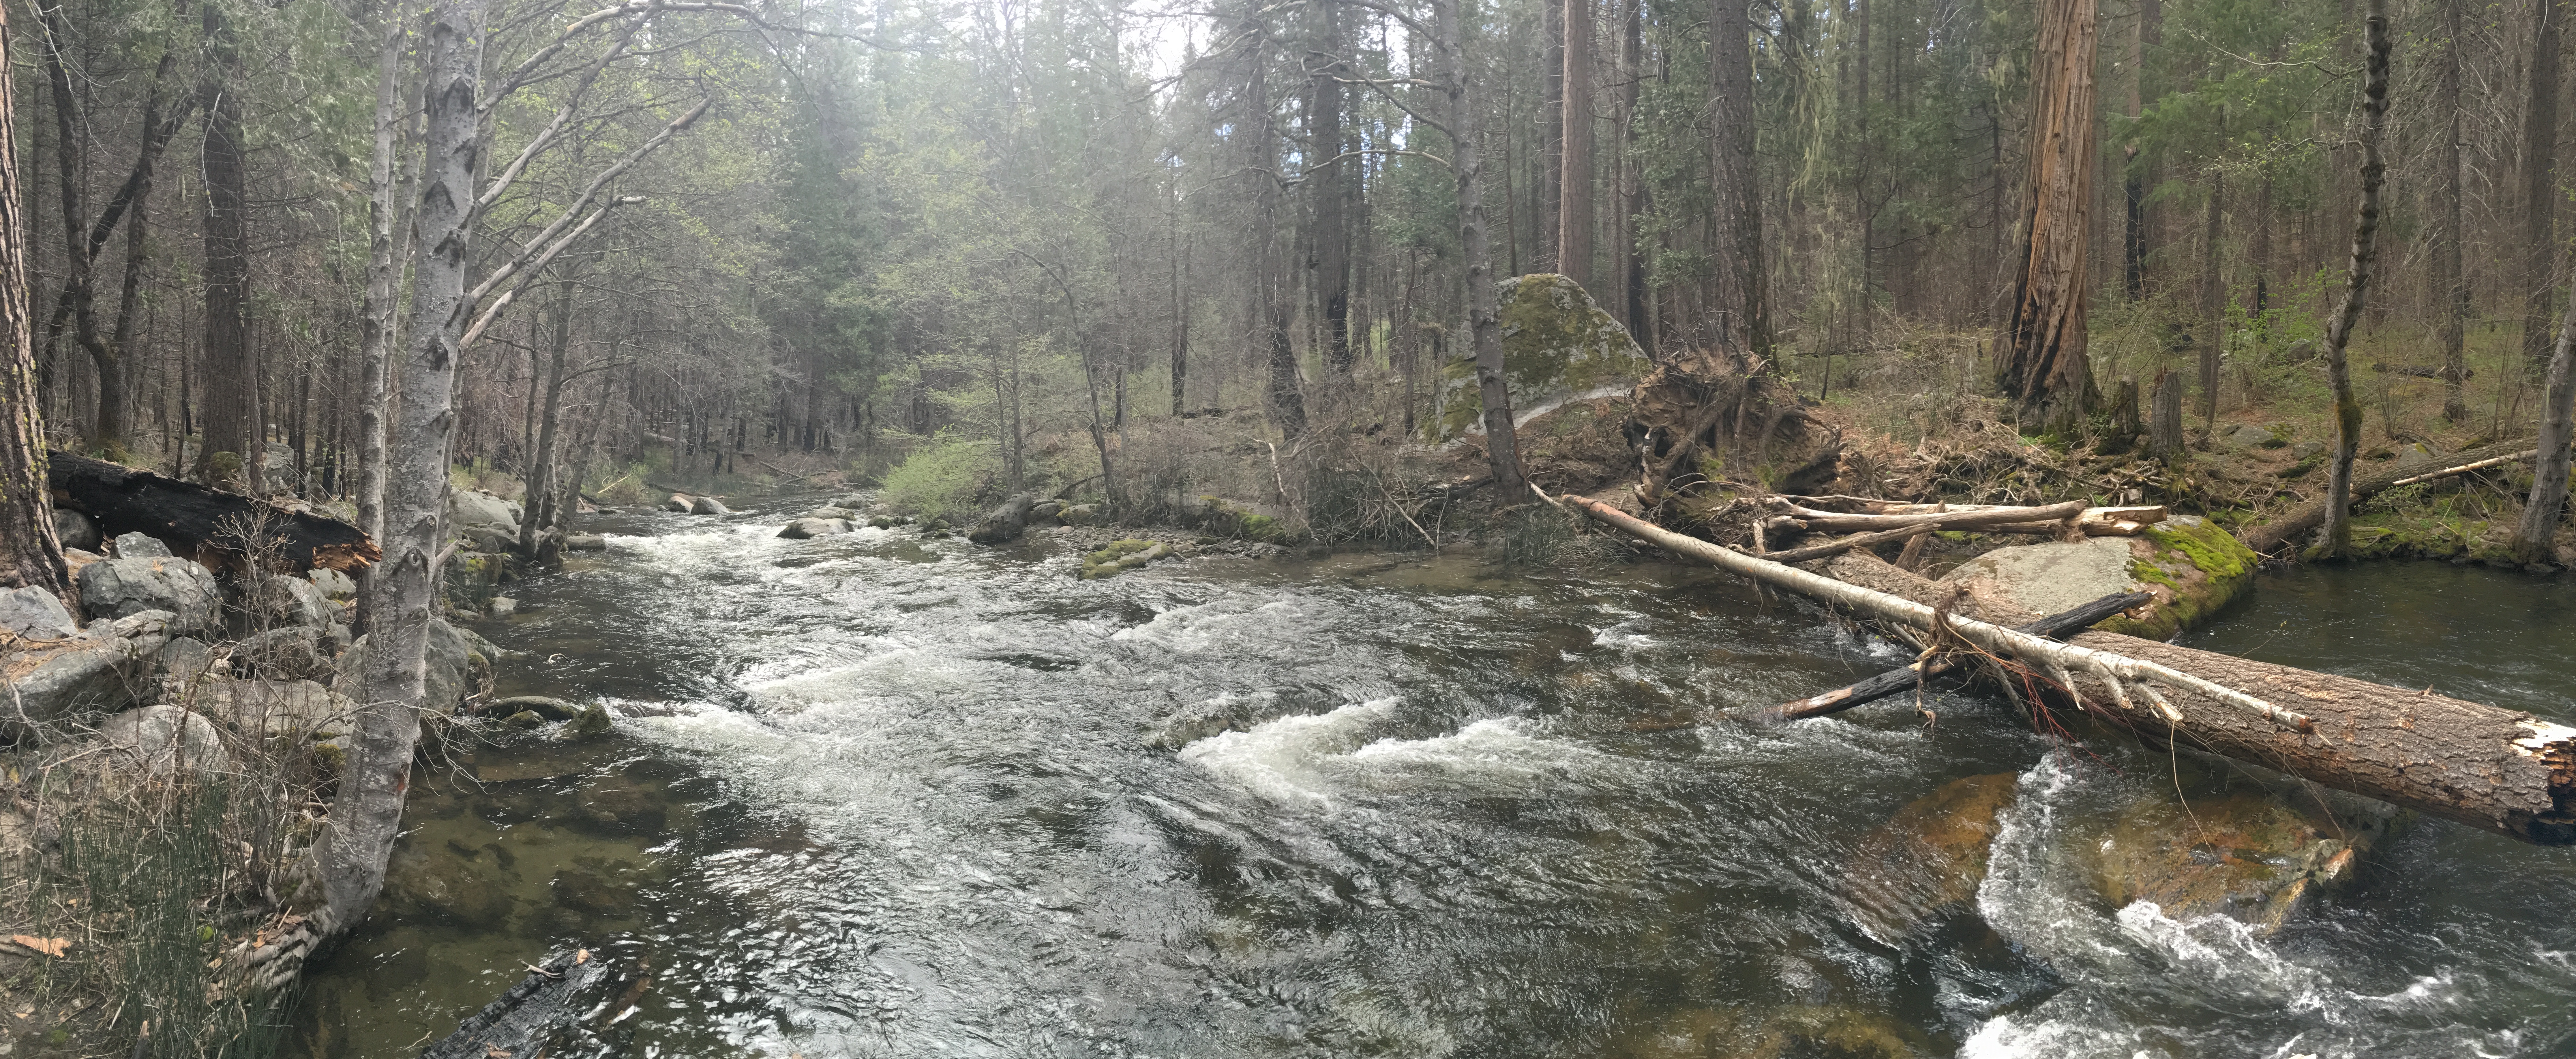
1557	345
1122	556
2189	564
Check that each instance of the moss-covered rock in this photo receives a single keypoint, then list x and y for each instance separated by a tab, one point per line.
1557	345
2255	856
2193	567
1122	556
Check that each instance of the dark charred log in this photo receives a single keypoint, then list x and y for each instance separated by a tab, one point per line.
197	518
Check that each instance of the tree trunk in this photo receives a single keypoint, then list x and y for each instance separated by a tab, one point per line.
235	422
1272	307
2134	183
2272	536
1329	185
1739	306
367	813
384	271
2450	290
1550	185
2534	537
539	515
1180	314
2043	342
2539	187
2365	247
1639	314
1574	215
1484	313
30	554
2213	291
2164	417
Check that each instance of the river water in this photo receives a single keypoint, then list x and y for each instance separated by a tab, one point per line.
880	796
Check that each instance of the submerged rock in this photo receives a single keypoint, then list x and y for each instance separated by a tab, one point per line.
2254	857
1557	345
805	528
1122	556
585	542
1929	858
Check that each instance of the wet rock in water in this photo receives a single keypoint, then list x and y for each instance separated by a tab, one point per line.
708	505
2255	857
616	807
160	739
1558	345
31	613
459	665
1005	522
831	511
504	606
1929	858
585	542
2190	565
470	893
1826	1030
75	530
115	588
1122	556
593	723
290	653
597	887
680	502
1047	513
888	521
805	528
293	709
334	584
138	546
548	707
523	719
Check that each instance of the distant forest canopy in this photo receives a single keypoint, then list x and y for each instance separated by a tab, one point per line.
991	219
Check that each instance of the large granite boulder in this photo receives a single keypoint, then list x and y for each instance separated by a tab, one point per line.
474	507
138	546
708	505
459	665
1558	345
159	739
2190	565
293	601
31	613
2252	855
293	709
108	670
805	528
116	588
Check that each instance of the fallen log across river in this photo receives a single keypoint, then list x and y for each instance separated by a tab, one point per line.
2494	769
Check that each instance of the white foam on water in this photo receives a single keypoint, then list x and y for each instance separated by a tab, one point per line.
1215	625
1499	754
1282	759
2003	1038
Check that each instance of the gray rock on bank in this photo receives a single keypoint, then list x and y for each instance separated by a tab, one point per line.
138	546
32	613
111	668
159	739
459	665
75	530
116	588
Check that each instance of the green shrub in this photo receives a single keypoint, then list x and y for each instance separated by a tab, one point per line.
949	478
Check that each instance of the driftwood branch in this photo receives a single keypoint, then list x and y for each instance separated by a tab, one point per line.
2273	537
2466	468
1906	677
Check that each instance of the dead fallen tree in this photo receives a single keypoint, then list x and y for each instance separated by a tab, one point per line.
195	518
546	1010
1991	518
2279	535
2489	768
1912	675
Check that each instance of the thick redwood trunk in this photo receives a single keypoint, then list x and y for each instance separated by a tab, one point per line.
1741	320
1574	215
1484	311
30	554
2043	341
234	420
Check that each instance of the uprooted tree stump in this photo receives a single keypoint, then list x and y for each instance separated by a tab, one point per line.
1712	403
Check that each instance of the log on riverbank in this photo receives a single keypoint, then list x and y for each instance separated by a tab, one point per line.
2497	770
192	518
2291	529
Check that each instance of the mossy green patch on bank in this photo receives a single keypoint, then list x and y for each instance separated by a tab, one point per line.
2196	565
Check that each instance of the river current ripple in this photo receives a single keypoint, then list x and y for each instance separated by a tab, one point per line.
1467	814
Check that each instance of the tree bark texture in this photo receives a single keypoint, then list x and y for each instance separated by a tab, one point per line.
540	515
1551	135
384	272
1739	304
367	813
2534	535
2043	343
1484	301
2164	417
2450	289
234	419
1574	216
2365	247
2213	291
30	554
1273	309
1327	182
2540	185
2493	769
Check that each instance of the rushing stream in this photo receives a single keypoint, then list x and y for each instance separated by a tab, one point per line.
880	796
